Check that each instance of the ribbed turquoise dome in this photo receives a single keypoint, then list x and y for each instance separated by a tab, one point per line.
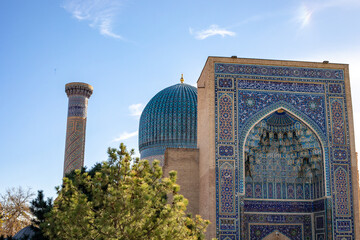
169	120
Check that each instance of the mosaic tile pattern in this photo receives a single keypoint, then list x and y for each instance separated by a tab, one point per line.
335	88
343	226
300	115
314	97
227	224
341	190
226	150
314	73
225	114
281	86
284	206
77	106
294	232
75	144
310	105
227	190
226	83
276	149
297	227
227	237
340	154
337	117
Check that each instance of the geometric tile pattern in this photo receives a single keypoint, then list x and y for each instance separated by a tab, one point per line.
310	73
75	144
341	190
77	106
227	188
343	225
337	117
339	154
283	206
295	227
315	98
283	86
227	224
226	150
311	105
248	116
226	118
293	232
226	83
335	88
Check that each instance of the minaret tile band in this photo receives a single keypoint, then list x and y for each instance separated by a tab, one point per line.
78	94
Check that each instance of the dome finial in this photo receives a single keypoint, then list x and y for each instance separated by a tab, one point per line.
182	78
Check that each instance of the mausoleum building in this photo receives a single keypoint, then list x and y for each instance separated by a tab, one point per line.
264	149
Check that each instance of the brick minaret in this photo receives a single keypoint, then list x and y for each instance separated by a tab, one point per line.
78	94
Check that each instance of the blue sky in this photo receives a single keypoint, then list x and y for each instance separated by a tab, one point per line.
128	51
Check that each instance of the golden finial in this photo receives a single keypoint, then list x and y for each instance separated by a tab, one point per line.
182	79
280	110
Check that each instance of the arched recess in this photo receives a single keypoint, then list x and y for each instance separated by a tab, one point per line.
283	160
251	122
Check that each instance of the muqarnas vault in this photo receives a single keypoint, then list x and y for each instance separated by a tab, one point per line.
273	155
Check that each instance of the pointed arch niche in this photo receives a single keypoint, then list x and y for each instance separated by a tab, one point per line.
283	174
283	159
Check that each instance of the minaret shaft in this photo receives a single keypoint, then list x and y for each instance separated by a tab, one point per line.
78	94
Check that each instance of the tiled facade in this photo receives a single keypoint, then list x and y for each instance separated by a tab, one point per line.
276	148
259	191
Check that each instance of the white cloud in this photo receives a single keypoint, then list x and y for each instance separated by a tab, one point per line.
307	9
125	135
304	15
99	13
136	109
213	30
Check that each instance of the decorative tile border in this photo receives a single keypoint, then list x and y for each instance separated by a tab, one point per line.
226	117
342	191
335	88
340	154
283	206
264	70
337	118
227	187
227	224
226	150
344	225
227	83
281	86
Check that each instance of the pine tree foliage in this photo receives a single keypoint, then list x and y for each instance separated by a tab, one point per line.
39	207
124	199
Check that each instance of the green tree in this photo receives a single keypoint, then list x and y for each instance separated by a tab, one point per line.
39	208
124	199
